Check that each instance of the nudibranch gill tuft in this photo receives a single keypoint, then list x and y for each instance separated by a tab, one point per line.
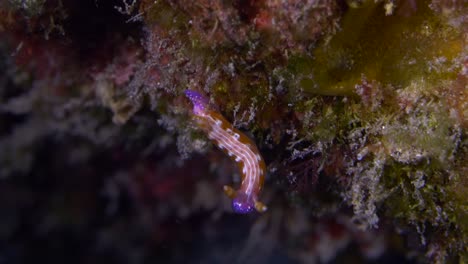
239	147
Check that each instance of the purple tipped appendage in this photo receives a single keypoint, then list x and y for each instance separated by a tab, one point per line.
200	102
242	203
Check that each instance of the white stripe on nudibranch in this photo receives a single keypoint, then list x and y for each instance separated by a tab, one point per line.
259	158
251	168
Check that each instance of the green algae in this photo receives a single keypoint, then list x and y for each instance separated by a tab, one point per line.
395	50
409	149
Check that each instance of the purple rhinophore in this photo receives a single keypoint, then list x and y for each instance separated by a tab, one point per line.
242	203
200	102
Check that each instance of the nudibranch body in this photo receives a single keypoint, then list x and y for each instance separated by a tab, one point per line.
239	147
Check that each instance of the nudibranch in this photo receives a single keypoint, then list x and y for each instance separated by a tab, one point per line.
239	147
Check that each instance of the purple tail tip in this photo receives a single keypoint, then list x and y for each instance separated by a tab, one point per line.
200	102
243	204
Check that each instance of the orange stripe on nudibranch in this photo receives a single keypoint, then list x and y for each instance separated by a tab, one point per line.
239	147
